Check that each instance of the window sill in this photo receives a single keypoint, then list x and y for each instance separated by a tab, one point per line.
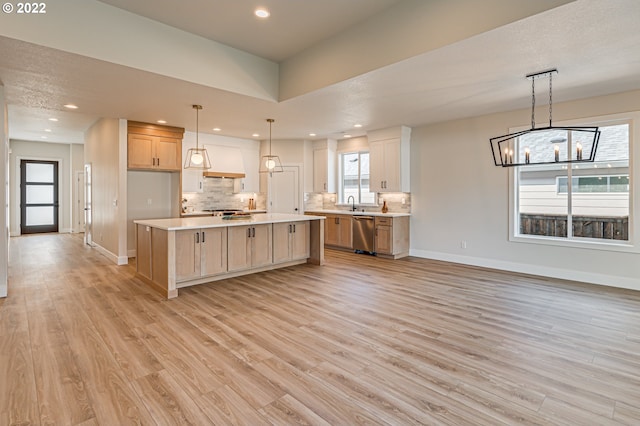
582	243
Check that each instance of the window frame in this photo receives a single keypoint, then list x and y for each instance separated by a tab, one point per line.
630	245
358	202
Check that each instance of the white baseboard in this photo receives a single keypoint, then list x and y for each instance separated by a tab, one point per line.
118	260
523	268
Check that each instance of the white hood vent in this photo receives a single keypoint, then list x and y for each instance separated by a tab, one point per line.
226	162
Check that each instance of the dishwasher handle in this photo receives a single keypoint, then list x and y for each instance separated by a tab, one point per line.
360	217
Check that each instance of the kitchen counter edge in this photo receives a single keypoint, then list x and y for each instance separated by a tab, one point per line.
183	223
358	213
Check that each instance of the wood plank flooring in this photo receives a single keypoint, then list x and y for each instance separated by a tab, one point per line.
360	340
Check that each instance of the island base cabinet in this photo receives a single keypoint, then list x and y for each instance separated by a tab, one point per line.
249	247
200	253
290	241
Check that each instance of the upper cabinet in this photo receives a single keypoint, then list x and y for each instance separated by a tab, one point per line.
154	147
389	159
324	166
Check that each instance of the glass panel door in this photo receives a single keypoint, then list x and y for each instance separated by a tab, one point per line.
39	195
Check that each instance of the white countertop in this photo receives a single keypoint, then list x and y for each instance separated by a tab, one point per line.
359	213
181	223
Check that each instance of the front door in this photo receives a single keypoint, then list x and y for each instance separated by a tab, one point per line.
39	196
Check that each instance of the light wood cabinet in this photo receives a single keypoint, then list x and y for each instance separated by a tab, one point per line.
154	147
339	231
392	236
249	247
389	158
200	253
290	241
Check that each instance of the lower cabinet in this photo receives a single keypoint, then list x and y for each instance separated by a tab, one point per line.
249	247
290	241
200	253
392	236
338	231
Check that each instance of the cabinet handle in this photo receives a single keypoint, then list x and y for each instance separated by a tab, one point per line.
253	232
289	228
294	227
324	185
248	232
203	236
197	238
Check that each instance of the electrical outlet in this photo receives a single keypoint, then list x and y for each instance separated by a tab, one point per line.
463	244
149	201
404	201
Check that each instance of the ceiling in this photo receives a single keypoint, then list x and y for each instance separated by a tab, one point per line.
594	44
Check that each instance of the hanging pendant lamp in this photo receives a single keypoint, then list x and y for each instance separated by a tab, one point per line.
545	145
197	158
270	163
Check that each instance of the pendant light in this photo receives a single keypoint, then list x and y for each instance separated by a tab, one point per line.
270	163
197	158
544	145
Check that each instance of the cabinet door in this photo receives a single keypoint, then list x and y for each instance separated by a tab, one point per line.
332	231
299	246
143	251
262	247
192	180
213	251
140	153
187	254
320	170
281	243
168	154
346	231
376	166
392	165
239	253
384	239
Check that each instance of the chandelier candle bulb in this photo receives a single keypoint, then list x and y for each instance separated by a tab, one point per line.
556	150
579	151
527	155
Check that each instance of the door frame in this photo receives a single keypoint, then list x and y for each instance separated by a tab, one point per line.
78	201
300	191
18	193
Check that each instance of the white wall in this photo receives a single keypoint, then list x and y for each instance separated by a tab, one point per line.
150	195
26	150
459	195
106	150
4	195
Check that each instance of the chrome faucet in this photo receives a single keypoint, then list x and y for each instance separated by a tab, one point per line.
353	202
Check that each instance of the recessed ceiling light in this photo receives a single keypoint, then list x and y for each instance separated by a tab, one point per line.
312	134
262	13
255	135
216	129
43	137
357	125
47	130
347	135
161	121
71	106
53	119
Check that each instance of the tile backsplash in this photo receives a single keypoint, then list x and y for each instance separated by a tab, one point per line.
397	202
218	194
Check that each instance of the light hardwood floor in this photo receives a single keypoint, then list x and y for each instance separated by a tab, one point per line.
358	341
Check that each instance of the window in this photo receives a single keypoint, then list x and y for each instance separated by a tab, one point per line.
577	200
354	178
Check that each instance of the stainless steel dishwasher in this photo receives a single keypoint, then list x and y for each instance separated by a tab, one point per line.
363	233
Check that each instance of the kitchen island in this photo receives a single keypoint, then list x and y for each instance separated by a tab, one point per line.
180	252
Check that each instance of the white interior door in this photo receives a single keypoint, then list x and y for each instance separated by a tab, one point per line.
284	193
78	219
87	205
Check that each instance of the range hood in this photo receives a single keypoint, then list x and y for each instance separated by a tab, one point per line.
226	162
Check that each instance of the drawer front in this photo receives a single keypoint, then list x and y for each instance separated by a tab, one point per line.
388	221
